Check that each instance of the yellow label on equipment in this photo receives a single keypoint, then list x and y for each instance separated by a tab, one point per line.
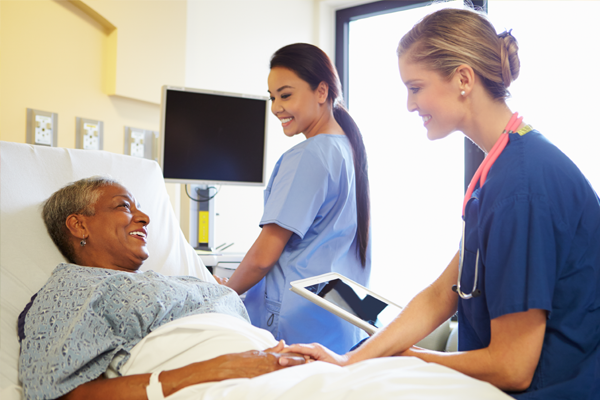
203	227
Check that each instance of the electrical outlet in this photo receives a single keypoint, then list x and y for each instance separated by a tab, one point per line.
43	130
42	127
90	137
137	144
140	143
89	134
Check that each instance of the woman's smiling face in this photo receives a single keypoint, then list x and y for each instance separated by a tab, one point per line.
117	232
294	102
436	99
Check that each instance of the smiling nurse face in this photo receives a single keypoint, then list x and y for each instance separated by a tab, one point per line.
437	100
299	108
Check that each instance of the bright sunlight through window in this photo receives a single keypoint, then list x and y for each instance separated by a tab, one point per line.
417	186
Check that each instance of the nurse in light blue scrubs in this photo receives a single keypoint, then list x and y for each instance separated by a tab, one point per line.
316	216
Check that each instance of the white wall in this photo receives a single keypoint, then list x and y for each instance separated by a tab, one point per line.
229	44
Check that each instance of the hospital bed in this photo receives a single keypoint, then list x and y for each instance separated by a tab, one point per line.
29	174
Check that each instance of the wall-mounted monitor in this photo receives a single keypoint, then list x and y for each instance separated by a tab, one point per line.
210	137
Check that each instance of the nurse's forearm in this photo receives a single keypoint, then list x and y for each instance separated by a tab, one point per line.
425	312
247	274
510	360
261	257
479	364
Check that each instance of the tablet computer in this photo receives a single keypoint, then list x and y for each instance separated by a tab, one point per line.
348	299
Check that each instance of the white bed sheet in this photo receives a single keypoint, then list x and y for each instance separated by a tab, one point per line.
205	336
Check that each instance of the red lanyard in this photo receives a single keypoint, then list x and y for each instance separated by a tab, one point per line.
486	164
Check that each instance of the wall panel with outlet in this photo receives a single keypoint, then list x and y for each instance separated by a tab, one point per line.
141	143
42	127
89	134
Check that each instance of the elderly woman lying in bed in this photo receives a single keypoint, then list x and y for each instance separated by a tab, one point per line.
95	309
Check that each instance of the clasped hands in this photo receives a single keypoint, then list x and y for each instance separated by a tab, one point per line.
317	352
254	363
297	354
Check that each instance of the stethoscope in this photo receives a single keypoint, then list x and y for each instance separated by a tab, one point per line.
481	175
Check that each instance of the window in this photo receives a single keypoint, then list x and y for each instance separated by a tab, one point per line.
558	88
417	186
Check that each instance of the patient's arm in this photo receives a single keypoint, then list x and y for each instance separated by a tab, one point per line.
240	365
261	257
509	362
432	306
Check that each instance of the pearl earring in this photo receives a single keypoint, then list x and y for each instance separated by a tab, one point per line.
83	242
462	93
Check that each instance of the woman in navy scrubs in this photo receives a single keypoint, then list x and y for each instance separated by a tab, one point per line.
316	217
531	326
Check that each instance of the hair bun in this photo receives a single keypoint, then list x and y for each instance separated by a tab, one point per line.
509	49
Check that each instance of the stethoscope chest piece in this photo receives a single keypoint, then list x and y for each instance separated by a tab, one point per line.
475	292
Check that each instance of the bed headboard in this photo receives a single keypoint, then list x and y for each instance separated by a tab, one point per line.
28	176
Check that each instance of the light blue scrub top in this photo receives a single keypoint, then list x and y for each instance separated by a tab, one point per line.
311	193
536	223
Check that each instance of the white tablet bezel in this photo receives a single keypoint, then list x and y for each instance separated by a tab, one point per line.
299	287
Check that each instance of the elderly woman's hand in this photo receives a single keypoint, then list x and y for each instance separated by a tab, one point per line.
229	366
317	352
253	363
220	281
286	357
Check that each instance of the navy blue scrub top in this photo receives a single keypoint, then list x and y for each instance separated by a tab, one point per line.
536	223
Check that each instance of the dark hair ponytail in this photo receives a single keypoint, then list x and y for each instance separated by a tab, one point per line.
363	198
313	66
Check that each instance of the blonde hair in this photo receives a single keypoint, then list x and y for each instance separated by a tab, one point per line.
448	38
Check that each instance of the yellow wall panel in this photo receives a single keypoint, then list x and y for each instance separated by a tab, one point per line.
150	49
56	56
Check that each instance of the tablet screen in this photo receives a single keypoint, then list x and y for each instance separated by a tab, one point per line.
355	300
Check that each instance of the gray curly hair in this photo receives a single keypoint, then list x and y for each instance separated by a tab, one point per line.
76	198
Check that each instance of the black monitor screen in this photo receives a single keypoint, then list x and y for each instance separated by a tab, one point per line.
212	137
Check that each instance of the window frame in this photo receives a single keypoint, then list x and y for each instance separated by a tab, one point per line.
473	154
